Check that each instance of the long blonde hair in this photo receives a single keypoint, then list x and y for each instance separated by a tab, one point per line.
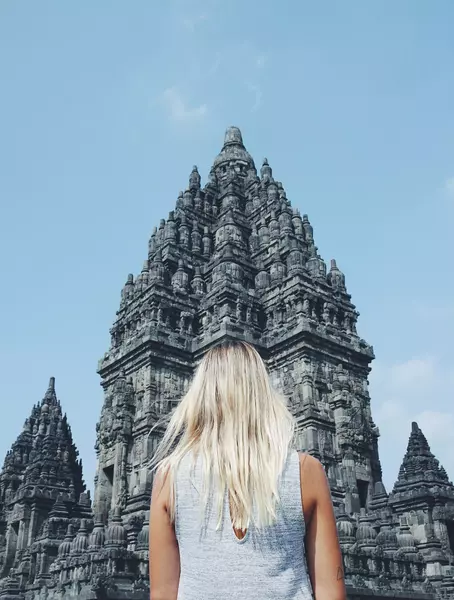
240	426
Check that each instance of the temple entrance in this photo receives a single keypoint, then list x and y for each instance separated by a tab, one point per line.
363	488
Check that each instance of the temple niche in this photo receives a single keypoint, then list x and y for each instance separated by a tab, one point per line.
233	260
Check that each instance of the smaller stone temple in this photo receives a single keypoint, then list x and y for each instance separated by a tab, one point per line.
42	494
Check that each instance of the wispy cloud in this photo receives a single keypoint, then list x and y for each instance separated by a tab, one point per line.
435	311
191	23
232	54
257	92
177	108
260	61
449	186
215	72
214	68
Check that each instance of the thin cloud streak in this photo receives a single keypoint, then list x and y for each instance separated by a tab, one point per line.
255	89
178	110
260	61
191	23
209	67
449	186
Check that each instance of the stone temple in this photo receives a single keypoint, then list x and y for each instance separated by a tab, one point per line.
233	260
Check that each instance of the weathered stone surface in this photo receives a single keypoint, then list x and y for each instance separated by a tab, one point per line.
41	493
233	260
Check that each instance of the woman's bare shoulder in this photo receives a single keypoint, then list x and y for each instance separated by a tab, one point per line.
310	464
313	479
161	487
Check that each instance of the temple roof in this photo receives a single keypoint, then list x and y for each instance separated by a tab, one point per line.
43	455
237	243
237	208
419	465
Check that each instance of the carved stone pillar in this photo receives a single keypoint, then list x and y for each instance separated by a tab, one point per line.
120	482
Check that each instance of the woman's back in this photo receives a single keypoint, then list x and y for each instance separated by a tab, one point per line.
216	564
233	418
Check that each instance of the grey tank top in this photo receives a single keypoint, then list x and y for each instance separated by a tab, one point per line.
267	564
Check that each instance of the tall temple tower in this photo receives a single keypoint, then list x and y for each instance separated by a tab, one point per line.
234	260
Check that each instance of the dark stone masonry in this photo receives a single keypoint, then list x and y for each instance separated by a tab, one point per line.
233	260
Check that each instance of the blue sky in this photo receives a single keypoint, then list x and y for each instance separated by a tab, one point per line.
105	106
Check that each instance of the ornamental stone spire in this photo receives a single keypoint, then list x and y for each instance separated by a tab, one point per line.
419	466
44	453
41	489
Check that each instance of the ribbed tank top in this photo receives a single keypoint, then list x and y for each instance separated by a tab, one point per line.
267	564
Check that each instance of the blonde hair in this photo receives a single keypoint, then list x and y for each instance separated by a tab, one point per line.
240	426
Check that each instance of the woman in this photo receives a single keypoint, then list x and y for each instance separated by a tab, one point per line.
235	511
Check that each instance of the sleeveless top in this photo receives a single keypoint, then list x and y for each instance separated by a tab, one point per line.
267	564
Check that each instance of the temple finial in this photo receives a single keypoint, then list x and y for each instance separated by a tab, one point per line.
266	172
194	179
233	136
50	392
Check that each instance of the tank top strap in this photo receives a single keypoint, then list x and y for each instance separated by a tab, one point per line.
290	484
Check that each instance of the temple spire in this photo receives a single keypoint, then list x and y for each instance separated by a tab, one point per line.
50	396
233	155
419	465
336	278
266	172
45	451
194	180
